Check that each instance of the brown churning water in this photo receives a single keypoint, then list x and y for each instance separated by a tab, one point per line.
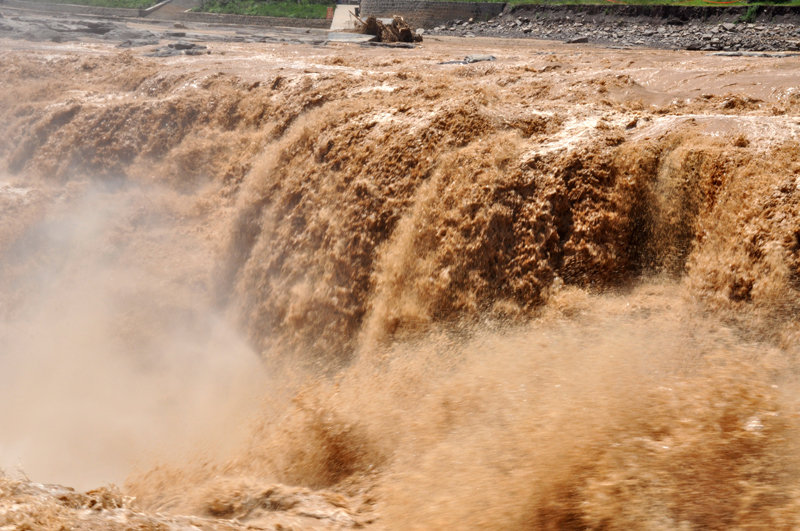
547	293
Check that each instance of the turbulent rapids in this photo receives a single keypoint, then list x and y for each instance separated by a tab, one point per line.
293	286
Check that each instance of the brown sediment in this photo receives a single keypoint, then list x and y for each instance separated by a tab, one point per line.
557	290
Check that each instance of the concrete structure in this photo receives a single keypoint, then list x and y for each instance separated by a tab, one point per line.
350	38
343	19
169	7
248	20
427	13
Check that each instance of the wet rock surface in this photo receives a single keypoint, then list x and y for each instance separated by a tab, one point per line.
65	29
180	48
39	27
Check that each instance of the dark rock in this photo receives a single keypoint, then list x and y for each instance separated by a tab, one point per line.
137	43
98	28
578	40
164	52
179	48
123	34
755	54
182	45
470	59
407	45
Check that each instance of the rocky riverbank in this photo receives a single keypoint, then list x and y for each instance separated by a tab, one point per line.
158	38
718	33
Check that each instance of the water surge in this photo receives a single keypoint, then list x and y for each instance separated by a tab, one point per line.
362	290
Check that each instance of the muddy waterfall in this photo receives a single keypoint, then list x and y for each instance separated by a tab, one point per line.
344	290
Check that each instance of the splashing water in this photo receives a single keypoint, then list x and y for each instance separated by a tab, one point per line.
546	293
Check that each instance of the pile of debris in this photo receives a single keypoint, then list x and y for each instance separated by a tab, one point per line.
396	30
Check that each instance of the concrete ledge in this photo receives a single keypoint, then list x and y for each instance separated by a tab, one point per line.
151	9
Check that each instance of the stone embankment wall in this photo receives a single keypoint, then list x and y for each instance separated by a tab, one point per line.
219	18
425	13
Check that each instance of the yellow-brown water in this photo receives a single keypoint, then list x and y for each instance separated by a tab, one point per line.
333	287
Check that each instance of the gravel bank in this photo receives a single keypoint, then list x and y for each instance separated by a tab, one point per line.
715	33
